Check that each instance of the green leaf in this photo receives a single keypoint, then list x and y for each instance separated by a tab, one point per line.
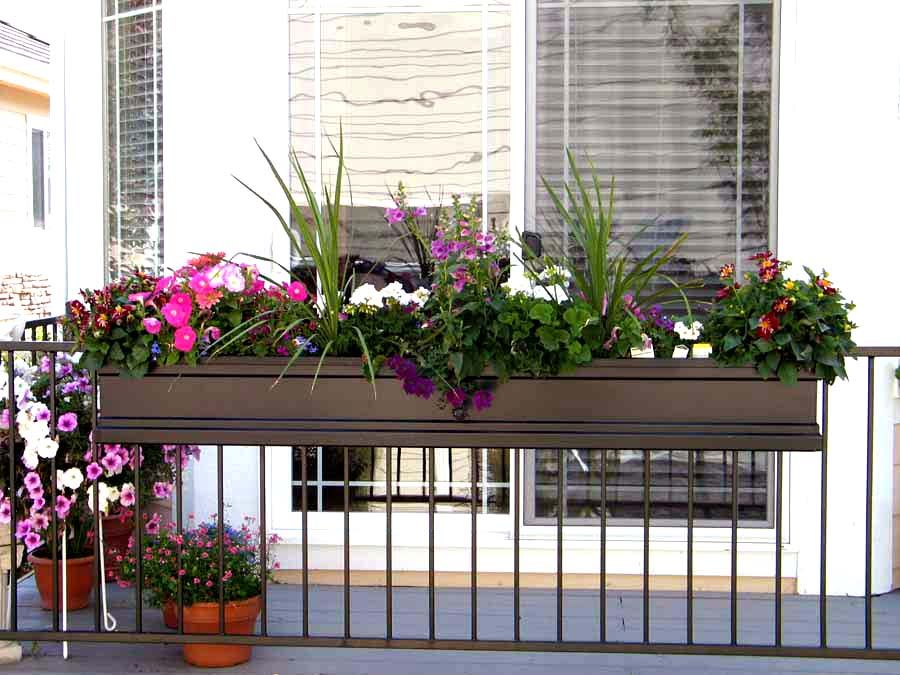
118	333
456	362
115	352
787	373
542	312
773	359
764	346
91	361
732	341
781	339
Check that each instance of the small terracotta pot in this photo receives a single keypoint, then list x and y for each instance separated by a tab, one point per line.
116	532
79	580
203	618
170	614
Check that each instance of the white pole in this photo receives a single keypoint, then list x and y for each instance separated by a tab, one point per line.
64	598
109	621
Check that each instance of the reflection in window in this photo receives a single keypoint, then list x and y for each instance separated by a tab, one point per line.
583	471
408	89
409	479
652	93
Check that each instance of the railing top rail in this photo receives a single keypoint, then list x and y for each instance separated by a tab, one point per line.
37	346
877	352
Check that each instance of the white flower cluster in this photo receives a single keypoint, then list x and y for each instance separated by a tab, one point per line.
521	285
686	332
70	478
34	428
106	496
367	296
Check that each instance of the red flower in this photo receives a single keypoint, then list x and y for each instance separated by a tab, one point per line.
768	325
782	305
726	271
726	292
826	286
762	256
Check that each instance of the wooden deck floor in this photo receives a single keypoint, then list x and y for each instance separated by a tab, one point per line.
581	622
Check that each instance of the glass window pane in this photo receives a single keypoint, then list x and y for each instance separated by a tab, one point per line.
650	92
37	177
668	486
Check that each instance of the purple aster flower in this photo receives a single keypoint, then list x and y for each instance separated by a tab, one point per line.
67	422
94	471
482	399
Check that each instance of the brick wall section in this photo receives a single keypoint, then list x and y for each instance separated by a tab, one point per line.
28	292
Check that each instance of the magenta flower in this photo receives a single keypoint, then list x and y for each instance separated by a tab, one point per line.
32	481
5	511
40	412
126	495
23	527
4	419
94	471
39	503
112	462
185	337
39	521
199	283
162	490
176	315
63	504
420	211
297	292
139	297
152	325
456	397
482	399
164	285
183	300
212	333
439	250
153	524
33	540
67	422
394	215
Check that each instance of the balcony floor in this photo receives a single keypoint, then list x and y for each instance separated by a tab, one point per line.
711	617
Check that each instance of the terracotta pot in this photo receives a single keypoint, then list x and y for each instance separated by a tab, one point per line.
170	615
116	532
79	580
203	618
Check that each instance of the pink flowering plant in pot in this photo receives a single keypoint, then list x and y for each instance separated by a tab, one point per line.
199	571
39	440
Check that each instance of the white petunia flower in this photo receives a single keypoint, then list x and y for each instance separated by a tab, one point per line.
30	458
418	297
72	478
366	296
47	448
33	432
393	290
103	497
691	332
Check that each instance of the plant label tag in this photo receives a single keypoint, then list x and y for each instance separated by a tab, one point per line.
680	352
638	353
702	350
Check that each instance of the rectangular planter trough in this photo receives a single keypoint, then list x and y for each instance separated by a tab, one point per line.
640	403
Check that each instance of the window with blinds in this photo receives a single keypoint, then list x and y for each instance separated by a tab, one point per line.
674	100
134	203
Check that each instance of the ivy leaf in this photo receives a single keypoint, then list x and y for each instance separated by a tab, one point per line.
763	346
732	341
456	362
115	352
787	373
773	359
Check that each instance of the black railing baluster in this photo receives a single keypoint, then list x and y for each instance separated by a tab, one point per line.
179	527
517	621
735	457
431	594
603	545
689	591
473	505
138	546
560	510
220	530
388	547
14	559
646	584
870	452
779	508
263	545
823	519
346	542
54	523
304	541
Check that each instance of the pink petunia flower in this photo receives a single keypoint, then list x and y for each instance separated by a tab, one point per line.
23	527
164	285
199	283
162	490
38	503
297	291
153	524
176	315
126	495
152	325
94	471
183	300
32	481
112	462
33	540
139	297
39	521
63	504
5	512
67	422
185	337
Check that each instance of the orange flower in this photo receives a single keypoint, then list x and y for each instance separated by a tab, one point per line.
768	325
782	305
727	271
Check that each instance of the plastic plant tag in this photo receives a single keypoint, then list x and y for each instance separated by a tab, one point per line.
702	350
680	352
638	353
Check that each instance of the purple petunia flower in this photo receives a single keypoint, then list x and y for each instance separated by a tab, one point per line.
482	399
23	527
162	490
63	504
33	540
67	422
456	397
394	215
32	481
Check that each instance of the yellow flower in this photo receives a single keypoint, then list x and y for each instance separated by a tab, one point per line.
789	285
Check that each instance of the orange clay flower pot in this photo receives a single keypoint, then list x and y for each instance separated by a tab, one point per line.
170	614
79	580
203	618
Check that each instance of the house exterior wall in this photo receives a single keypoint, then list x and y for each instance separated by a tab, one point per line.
225	82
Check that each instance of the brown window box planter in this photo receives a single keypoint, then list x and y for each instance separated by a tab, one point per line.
640	403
